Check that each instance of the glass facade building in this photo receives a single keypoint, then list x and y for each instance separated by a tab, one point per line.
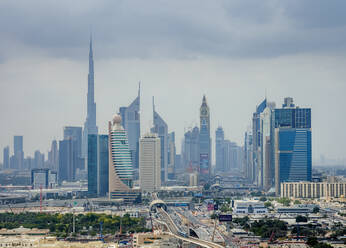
292	145
97	165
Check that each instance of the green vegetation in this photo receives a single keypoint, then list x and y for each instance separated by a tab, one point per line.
266	227
300	218
225	208
61	224
263	198
297	202
285	201
243	222
316	210
312	242
268	204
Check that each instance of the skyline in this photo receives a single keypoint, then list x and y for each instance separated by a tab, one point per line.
39	110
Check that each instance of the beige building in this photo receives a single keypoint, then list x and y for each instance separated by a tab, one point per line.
149	163
313	190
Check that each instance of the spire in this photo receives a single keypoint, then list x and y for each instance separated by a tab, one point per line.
91	45
204	101
153	105
139	88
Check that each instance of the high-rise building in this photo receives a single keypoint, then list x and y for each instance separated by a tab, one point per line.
292	144
150	163
53	156
204	141
120	164
74	133
130	120
256	143
248	172
44	178
6	158
190	149
171	155
98	165
18	152
161	129
90	122
39	160
219	149
66	161
92	164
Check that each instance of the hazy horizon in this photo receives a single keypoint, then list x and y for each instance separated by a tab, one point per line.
234	52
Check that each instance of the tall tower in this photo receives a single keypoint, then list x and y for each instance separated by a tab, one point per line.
160	127
150	163
90	122
120	164
130	120
204	141
219	149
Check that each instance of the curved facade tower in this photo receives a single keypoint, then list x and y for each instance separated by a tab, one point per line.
120	163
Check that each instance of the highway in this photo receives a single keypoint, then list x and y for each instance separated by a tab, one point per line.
165	218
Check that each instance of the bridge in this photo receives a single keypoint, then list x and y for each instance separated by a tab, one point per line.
166	220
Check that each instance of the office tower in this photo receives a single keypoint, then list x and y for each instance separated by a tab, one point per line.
29	163
90	122
120	164
292	144
18	152
53	156
204	141
161	129
6	158
74	133
171	155
130	120
92	164
248	156
265	162
190	149
38	160
219	147
66	160
150	163
256	143
98	164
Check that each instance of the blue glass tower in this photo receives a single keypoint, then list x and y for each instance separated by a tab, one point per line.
292	145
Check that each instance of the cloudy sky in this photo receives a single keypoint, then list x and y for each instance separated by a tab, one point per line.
232	51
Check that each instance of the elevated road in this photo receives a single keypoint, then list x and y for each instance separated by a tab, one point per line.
165	218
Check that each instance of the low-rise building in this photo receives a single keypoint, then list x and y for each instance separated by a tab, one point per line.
249	207
329	189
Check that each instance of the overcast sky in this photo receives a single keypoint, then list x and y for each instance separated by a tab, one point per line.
232	51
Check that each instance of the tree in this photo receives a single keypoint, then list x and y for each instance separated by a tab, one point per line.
316	210
267	204
285	201
300	218
296	202
263	198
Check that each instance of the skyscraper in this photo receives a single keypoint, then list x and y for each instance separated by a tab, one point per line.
292	144
161	129
6	158
90	122
204	141
130	120
66	161
248	172
190	149
120	164
98	165
171	155
219	147
256	143
39	160
18	152
150	163
53	156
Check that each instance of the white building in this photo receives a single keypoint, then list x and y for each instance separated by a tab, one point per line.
249	207
150	163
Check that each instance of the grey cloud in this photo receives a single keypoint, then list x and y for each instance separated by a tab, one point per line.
176	29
